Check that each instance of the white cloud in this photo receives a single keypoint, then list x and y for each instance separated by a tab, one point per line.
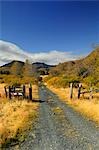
9	52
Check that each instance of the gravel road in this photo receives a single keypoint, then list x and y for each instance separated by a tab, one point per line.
59	128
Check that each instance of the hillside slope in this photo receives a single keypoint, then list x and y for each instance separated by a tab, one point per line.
86	70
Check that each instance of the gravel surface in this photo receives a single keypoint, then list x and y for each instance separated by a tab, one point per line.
59	128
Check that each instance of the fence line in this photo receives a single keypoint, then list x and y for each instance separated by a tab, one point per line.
82	92
12	91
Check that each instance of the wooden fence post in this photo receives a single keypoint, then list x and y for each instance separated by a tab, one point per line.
24	91
14	88
71	90
79	90
9	92
5	91
91	93
30	92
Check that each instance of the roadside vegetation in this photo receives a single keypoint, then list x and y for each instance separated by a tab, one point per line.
17	80
87	107
16	118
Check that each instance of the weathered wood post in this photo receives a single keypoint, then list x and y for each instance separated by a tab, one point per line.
24	91
30	92
71	90
9	92
79	90
91	93
14	89
5	91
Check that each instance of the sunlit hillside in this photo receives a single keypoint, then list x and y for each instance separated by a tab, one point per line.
85	70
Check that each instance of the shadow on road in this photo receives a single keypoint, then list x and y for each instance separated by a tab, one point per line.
38	101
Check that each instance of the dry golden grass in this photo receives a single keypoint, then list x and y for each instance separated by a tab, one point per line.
2	89
16	117
87	107
35	92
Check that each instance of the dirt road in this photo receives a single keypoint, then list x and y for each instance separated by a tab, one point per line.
60	128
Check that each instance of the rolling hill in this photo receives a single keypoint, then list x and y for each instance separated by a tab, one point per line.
84	70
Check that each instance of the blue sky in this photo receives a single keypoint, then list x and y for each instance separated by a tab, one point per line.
46	26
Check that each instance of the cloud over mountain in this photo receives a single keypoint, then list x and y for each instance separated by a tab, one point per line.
9	52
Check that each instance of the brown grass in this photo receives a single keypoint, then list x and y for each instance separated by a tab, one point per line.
87	107
16	118
35	94
2	89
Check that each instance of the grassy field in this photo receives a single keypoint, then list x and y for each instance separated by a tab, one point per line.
16	117
2	89
87	107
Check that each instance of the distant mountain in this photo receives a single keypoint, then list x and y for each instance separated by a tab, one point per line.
37	67
41	68
6	69
11	63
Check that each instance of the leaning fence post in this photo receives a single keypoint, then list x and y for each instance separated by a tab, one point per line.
24	91
5	91
9	92
79	90
30	92
91	93
71	90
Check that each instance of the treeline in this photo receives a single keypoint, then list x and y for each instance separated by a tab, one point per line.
5	72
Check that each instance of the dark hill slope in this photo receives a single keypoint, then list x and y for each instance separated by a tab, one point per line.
6	69
11	63
41	68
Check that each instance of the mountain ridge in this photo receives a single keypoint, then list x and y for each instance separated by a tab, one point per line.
37	67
